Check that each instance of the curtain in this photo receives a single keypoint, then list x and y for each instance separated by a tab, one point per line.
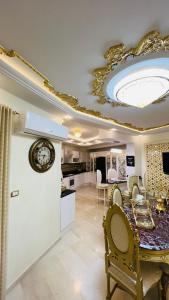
5	136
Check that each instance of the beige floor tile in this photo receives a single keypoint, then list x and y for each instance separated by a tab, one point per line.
74	268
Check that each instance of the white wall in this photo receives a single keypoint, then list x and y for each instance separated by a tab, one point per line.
34	221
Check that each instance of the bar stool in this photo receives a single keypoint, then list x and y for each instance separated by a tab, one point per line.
101	187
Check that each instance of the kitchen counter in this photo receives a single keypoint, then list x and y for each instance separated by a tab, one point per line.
67	209
67	192
79	179
73	174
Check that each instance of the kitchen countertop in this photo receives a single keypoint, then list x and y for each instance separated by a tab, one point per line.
73	174
67	192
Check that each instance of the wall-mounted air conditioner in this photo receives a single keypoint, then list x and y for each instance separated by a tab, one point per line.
35	124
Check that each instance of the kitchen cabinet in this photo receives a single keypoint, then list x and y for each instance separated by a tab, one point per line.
67	209
80	179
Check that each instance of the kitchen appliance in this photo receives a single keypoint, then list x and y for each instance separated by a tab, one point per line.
71	182
101	165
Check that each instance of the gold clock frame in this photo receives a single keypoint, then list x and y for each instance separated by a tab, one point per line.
33	155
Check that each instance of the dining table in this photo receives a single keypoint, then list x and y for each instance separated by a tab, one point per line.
154	243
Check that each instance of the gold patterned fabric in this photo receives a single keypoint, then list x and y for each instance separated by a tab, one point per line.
5	135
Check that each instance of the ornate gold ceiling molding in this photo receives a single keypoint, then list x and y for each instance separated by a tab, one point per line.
72	101
152	42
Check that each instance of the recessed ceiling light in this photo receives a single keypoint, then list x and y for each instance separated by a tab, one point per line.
113	129
115	150
68	117
77	134
70	141
141	83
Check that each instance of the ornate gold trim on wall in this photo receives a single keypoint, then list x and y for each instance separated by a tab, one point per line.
152	42
156	179
73	102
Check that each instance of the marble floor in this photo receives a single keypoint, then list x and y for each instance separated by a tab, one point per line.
74	268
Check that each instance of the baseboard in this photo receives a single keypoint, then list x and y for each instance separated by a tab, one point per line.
27	270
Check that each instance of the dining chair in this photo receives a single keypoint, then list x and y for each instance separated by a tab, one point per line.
165	280
122	263
143	187
135	191
116	195
101	187
131	180
112	174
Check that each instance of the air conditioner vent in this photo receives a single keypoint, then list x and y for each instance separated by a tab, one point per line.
35	124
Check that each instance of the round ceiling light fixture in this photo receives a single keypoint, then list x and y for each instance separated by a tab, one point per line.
140	83
77	134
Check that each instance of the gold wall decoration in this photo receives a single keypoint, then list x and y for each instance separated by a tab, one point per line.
114	54
156	179
152	42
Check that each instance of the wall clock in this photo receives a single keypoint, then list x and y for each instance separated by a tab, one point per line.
41	155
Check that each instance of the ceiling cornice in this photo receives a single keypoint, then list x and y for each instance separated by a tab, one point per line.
70	101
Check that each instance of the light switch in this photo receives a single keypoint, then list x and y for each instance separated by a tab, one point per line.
15	193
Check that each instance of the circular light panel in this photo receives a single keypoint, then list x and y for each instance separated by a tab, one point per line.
141	83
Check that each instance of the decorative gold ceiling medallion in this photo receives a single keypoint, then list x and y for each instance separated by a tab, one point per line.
116	55
111	58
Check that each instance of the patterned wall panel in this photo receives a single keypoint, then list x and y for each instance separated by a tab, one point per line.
156	179
122	165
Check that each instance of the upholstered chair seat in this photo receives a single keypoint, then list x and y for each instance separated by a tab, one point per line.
150	272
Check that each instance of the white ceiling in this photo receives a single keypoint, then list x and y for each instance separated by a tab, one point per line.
66	40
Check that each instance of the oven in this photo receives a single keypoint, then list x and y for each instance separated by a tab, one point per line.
72	182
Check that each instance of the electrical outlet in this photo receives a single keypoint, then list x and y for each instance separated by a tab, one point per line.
15	193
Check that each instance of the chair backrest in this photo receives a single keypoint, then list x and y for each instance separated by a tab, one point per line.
135	191
116	196
112	174
132	180
121	242
98	177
